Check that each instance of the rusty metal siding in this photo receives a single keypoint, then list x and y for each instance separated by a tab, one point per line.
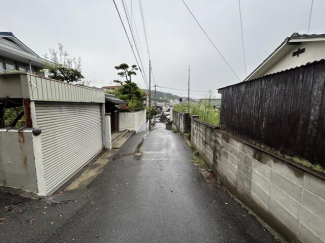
71	137
284	111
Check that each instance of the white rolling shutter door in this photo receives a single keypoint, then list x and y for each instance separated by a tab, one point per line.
71	137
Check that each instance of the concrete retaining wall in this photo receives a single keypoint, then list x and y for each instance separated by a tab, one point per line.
17	159
289	199
133	121
182	122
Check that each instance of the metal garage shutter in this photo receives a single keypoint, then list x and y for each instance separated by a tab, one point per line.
71	137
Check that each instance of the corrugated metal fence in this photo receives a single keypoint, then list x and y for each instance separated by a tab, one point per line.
284	111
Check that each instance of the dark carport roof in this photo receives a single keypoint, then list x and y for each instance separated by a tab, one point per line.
113	100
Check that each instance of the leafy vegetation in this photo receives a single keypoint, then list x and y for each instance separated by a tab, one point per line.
126	72
129	91
151	112
204	110
60	67
10	115
197	159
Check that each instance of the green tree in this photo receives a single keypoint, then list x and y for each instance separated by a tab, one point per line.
60	67
129	91
126	72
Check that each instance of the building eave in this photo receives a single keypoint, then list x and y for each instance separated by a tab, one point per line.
287	45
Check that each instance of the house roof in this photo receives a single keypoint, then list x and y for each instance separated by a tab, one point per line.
273	74
11	47
288	44
214	102
184	99
111	87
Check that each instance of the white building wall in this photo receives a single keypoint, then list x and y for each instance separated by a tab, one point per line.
132	121
314	51
107	134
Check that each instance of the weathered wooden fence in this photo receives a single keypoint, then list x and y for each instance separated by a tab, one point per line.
283	111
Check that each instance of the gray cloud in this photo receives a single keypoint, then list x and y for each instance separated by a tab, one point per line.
92	30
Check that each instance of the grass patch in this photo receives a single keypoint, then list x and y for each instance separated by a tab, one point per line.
277	238
197	160
175	130
187	136
204	109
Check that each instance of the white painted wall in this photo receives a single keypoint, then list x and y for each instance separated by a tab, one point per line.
314	51
107	134
132	121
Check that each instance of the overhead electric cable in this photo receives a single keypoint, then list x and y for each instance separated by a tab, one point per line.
132	35
211	41
154	79
310	14
242	36
130	42
144	27
136	29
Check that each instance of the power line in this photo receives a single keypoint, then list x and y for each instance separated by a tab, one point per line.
144	27
129	42
154	79
211	41
310	13
242	36
132	35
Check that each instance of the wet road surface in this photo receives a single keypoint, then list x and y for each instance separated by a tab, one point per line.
157	195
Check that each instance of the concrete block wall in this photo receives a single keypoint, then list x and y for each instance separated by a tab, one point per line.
289	199
182	122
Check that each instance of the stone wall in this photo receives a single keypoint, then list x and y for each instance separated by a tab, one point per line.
182	122
289	199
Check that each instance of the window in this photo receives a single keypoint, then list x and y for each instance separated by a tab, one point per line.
2	66
10	66
22	69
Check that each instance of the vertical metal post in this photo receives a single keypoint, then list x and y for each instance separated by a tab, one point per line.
188	92
30	67
150	94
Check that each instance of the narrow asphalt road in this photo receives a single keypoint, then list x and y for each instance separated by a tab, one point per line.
158	196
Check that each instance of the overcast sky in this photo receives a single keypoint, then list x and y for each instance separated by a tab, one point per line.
92	30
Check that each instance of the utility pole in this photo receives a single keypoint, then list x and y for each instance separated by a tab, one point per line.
150	94
156	96
188	91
